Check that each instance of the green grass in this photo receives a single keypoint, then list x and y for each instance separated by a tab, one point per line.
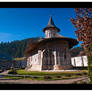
24	72
42	78
10	77
19	59
53	75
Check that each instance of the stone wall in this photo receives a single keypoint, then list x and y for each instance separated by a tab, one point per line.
80	61
34	67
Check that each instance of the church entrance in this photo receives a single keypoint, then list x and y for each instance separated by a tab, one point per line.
48	60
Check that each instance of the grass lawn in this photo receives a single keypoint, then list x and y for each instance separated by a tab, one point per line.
49	75
24	72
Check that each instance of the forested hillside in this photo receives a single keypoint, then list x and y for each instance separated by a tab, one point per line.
78	51
16	49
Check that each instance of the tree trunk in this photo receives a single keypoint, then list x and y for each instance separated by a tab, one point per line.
90	67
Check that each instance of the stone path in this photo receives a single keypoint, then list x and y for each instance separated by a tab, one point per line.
5	72
23	81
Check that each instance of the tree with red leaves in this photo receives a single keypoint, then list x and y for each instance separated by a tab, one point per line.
83	24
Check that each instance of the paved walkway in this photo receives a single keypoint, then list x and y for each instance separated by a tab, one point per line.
23	81
5	72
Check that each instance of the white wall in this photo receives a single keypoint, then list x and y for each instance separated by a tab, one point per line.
79	61
50	33
34	59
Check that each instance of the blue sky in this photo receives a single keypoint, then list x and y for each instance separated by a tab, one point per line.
22	23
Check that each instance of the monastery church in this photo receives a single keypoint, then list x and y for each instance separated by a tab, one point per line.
52	52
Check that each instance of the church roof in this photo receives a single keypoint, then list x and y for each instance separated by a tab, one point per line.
72	42
33	46
51	25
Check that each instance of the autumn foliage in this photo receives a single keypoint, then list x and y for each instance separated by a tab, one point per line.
83	24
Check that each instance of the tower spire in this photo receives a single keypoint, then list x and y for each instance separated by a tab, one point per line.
51	26
51	23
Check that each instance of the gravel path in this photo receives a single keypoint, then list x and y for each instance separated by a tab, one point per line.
23	81
5	72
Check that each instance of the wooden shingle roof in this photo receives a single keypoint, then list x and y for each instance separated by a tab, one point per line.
51	25
72	42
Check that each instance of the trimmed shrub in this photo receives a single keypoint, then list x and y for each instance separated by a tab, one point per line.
12	72
47	77
79	74
68	75
35	77
58	76
85	73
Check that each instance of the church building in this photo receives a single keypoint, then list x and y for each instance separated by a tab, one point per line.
52	52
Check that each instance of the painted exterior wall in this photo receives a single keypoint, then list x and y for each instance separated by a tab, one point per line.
33	63
80	61
57	58
34	59
51	55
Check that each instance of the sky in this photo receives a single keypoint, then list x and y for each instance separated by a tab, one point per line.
23	23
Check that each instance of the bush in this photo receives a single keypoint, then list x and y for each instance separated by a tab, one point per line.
85	73
58	76
68	75
47	77
79	74
12	72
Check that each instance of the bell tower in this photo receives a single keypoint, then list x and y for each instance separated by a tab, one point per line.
51	30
